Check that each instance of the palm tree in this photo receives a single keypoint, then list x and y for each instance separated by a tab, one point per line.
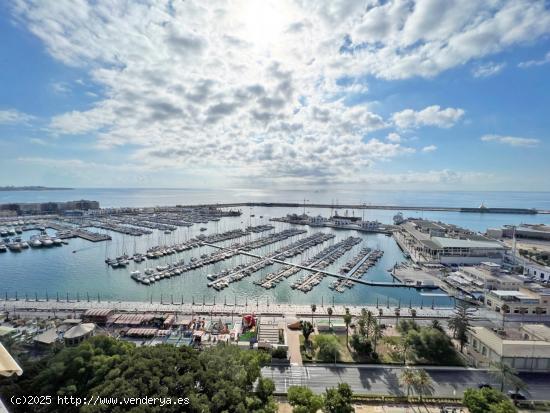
460	324
347	320
506	374
329	312
377	334
413	313
313	309
369	321
423	383
380	314
408	379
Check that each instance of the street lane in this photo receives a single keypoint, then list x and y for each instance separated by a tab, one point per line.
384	380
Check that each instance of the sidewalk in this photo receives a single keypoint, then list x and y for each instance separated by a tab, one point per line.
294	347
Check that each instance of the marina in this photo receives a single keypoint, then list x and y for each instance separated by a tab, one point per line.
179	261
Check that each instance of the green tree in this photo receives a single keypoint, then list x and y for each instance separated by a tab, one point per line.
347	321
423	383
408	379
307	330
338	400
437	325
328	347
220	378
487	400
303	400
313	309
460	323
377	334
506	375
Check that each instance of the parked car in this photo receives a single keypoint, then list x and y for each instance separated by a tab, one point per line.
516	395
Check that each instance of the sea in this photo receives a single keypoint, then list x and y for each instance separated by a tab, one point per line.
78	270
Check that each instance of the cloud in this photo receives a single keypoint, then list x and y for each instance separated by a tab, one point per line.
430	116
511	140
60	88
488	69
12	116
531	63
429	148
261	91
394	137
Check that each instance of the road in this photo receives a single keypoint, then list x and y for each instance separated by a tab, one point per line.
384	380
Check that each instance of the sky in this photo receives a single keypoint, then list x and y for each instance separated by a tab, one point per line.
426	94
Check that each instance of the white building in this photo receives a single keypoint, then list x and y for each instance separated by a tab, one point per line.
526	349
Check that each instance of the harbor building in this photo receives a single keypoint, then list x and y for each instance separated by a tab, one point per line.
34	208
528	231
491	277
536	271
437	242
526	349
530	300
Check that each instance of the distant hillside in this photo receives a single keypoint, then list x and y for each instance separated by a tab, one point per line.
31	188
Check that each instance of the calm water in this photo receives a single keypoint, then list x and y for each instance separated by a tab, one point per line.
60	271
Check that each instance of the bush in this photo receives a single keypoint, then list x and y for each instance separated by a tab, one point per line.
487	401
279	353
360	344
328	347
303	400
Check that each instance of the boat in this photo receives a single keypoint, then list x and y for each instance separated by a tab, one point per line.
203	228
57	242
24	244
36	243
14	247
167	231
47	242
3	248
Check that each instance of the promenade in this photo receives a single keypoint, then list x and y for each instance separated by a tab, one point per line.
251	306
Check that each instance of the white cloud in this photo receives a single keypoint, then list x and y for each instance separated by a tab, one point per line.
511	140
531	63
429	148
12	116
259	90
430	116
488	69
394	137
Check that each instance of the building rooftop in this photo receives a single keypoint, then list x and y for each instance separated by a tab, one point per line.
465	243
79	330
8	366
512	347
541	331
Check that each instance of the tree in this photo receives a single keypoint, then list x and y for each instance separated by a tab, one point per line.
347	321
313	309
380	314
303	400
329	312
328	347
413	313
460	323
487	400
407	379
506	375
220	378
423	383
307	329
377	334
437	325
338	400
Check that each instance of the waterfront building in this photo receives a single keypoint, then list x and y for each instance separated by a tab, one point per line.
491	277
530	300
437	242
536	271
526	349
319	220
76	334
528	231
34	208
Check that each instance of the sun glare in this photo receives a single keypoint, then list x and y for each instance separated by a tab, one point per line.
263	22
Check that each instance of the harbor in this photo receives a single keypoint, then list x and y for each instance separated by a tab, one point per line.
217	253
